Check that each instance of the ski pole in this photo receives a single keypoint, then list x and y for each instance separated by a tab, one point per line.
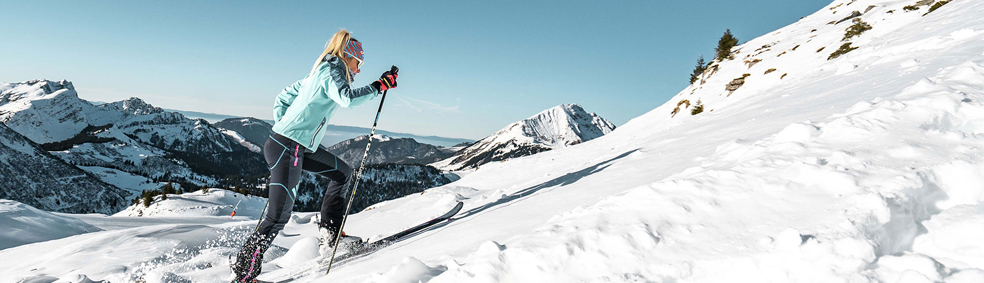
358	176
234	209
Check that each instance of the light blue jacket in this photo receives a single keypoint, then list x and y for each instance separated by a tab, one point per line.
302	110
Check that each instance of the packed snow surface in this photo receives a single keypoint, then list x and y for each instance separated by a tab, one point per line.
23	224
865	168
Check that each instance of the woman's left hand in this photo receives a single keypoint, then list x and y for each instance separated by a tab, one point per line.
386	81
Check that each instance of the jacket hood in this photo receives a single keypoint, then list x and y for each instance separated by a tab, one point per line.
334	60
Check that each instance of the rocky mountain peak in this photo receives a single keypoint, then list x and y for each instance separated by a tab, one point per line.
133	106
33	89
560	126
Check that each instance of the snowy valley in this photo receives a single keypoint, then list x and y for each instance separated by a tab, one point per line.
801	167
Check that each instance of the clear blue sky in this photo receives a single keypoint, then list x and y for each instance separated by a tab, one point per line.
468	68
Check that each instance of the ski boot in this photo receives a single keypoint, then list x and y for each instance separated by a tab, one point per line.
328	237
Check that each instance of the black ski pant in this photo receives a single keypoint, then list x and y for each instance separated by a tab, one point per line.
286	159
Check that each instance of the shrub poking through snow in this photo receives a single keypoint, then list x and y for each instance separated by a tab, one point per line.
910	8
846	47
856	29
736	83
935	6
751	63
725	44
853	15
698	70
685	103
821	49
699	107
783	76
770	71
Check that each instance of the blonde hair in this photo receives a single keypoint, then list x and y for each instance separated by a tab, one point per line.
335	47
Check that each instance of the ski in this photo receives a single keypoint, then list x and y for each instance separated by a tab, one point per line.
378	244
363	248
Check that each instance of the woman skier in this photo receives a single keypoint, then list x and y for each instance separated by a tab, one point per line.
301	114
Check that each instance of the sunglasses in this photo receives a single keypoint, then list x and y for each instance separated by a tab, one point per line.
360	62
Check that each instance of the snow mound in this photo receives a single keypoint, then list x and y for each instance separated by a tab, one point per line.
304	250
23	224
410	270
954	237
214	202
132	250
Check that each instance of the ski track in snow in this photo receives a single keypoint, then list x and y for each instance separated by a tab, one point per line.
865	168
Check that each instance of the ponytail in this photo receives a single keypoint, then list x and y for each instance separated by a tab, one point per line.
335	47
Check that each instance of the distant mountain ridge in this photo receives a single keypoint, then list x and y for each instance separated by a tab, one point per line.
335	133
124	139
388	150
561	126
250	132
384	149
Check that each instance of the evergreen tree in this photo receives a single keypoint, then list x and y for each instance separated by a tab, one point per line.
147	198
168	188
698	70
725	44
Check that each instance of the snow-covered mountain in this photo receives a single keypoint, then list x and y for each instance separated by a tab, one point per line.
561	126
31	175
862	168
247	130
386	149
48	111
128	143
132	106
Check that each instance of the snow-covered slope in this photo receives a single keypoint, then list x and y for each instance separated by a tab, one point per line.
23	224
864	168
211	202
557	127
31	175
132	249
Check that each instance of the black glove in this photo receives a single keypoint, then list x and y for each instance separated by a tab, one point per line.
387	80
